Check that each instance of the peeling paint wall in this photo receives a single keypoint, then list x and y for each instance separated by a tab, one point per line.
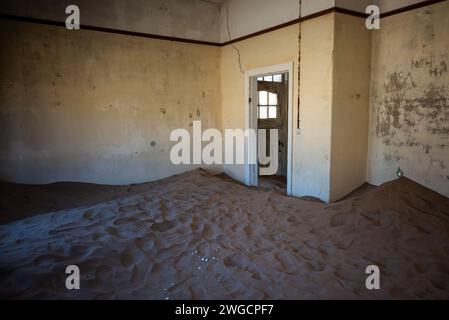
98	107
409	125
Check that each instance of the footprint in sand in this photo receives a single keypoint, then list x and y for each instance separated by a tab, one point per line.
209	232
104	272
289	263
420	268
316	266
303	254
338	220
439	283
128	209
59	230
113	232
238	260
82	251
442	267
418	244
47	258
137	275
371	215
96	236
423	229
126	259
348	275
146	244
163	226
121	221
344	244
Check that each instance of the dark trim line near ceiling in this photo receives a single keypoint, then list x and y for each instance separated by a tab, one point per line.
308	17
216	44
411	7
107	30
334	10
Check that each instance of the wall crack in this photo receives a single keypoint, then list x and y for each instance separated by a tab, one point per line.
228	3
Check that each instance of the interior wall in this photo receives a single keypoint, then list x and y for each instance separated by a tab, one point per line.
242	17
409	126
312	6
388	5
277	47
98	107
191	19
312	143
384	5
355	5
350	106
89	106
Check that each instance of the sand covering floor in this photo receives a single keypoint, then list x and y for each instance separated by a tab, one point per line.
195	236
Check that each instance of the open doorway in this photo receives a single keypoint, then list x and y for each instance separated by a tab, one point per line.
270	107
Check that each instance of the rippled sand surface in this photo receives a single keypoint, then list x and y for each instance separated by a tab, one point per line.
196	236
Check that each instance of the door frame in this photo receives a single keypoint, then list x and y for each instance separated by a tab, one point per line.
251	171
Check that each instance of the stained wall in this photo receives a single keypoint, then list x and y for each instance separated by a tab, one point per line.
409	117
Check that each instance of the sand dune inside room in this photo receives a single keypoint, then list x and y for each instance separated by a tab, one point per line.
196	236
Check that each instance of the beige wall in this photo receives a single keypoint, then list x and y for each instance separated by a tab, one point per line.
272	48
409	126
97	107
350	107
311	170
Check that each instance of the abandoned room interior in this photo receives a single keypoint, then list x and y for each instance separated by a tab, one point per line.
224	149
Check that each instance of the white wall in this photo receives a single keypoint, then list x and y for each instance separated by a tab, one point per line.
249	16
355	5
350	107
312	6
312	147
